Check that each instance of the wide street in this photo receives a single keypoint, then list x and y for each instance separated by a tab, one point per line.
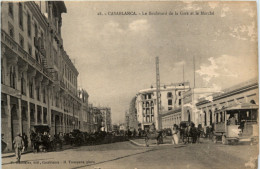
127	155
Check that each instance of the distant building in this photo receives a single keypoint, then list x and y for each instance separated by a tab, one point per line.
132	115
126	124
106	118
190	99
187	111
85	116
115	127
170	96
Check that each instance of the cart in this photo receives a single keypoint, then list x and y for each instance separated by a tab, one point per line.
236	123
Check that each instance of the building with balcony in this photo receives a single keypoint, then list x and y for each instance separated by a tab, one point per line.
38	79
170	98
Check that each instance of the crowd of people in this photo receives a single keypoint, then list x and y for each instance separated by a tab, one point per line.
190	133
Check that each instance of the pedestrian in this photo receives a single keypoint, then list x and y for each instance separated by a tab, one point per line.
3	144
175	139
18	146
33	137
193	132
178	133
134	134
61	139
25	140
200	130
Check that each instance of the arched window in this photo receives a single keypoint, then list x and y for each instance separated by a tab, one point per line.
252	102
210	117
216	114
205	118
221	116
188	112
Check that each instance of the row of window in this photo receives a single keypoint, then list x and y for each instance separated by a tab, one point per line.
169	95
148	111
69	75
148	119
39	115
13	81
20	19
148	104
170	102
21	38
169	119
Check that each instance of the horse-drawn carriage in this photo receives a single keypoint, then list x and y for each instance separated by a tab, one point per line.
40	138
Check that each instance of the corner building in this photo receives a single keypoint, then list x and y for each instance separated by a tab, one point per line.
170	99
38	79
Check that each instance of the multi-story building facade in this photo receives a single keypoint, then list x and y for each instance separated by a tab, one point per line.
97	119
133	122
170	96
106	118
126	124
86	118
38	79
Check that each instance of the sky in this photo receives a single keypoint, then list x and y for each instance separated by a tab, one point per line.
115	55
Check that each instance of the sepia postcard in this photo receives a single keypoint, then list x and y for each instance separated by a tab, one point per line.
129	85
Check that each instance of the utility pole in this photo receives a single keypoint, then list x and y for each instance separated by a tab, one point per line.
158	95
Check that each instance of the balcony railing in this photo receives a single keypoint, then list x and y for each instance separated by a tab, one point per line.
8	41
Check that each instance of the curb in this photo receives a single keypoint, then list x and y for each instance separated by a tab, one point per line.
143	145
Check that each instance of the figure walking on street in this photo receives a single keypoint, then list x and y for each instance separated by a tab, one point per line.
25	140
175	139
18	146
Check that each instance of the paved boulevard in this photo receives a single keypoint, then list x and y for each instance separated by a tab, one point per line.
129	156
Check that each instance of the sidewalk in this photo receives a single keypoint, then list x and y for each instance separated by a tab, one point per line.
167	141
29	150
